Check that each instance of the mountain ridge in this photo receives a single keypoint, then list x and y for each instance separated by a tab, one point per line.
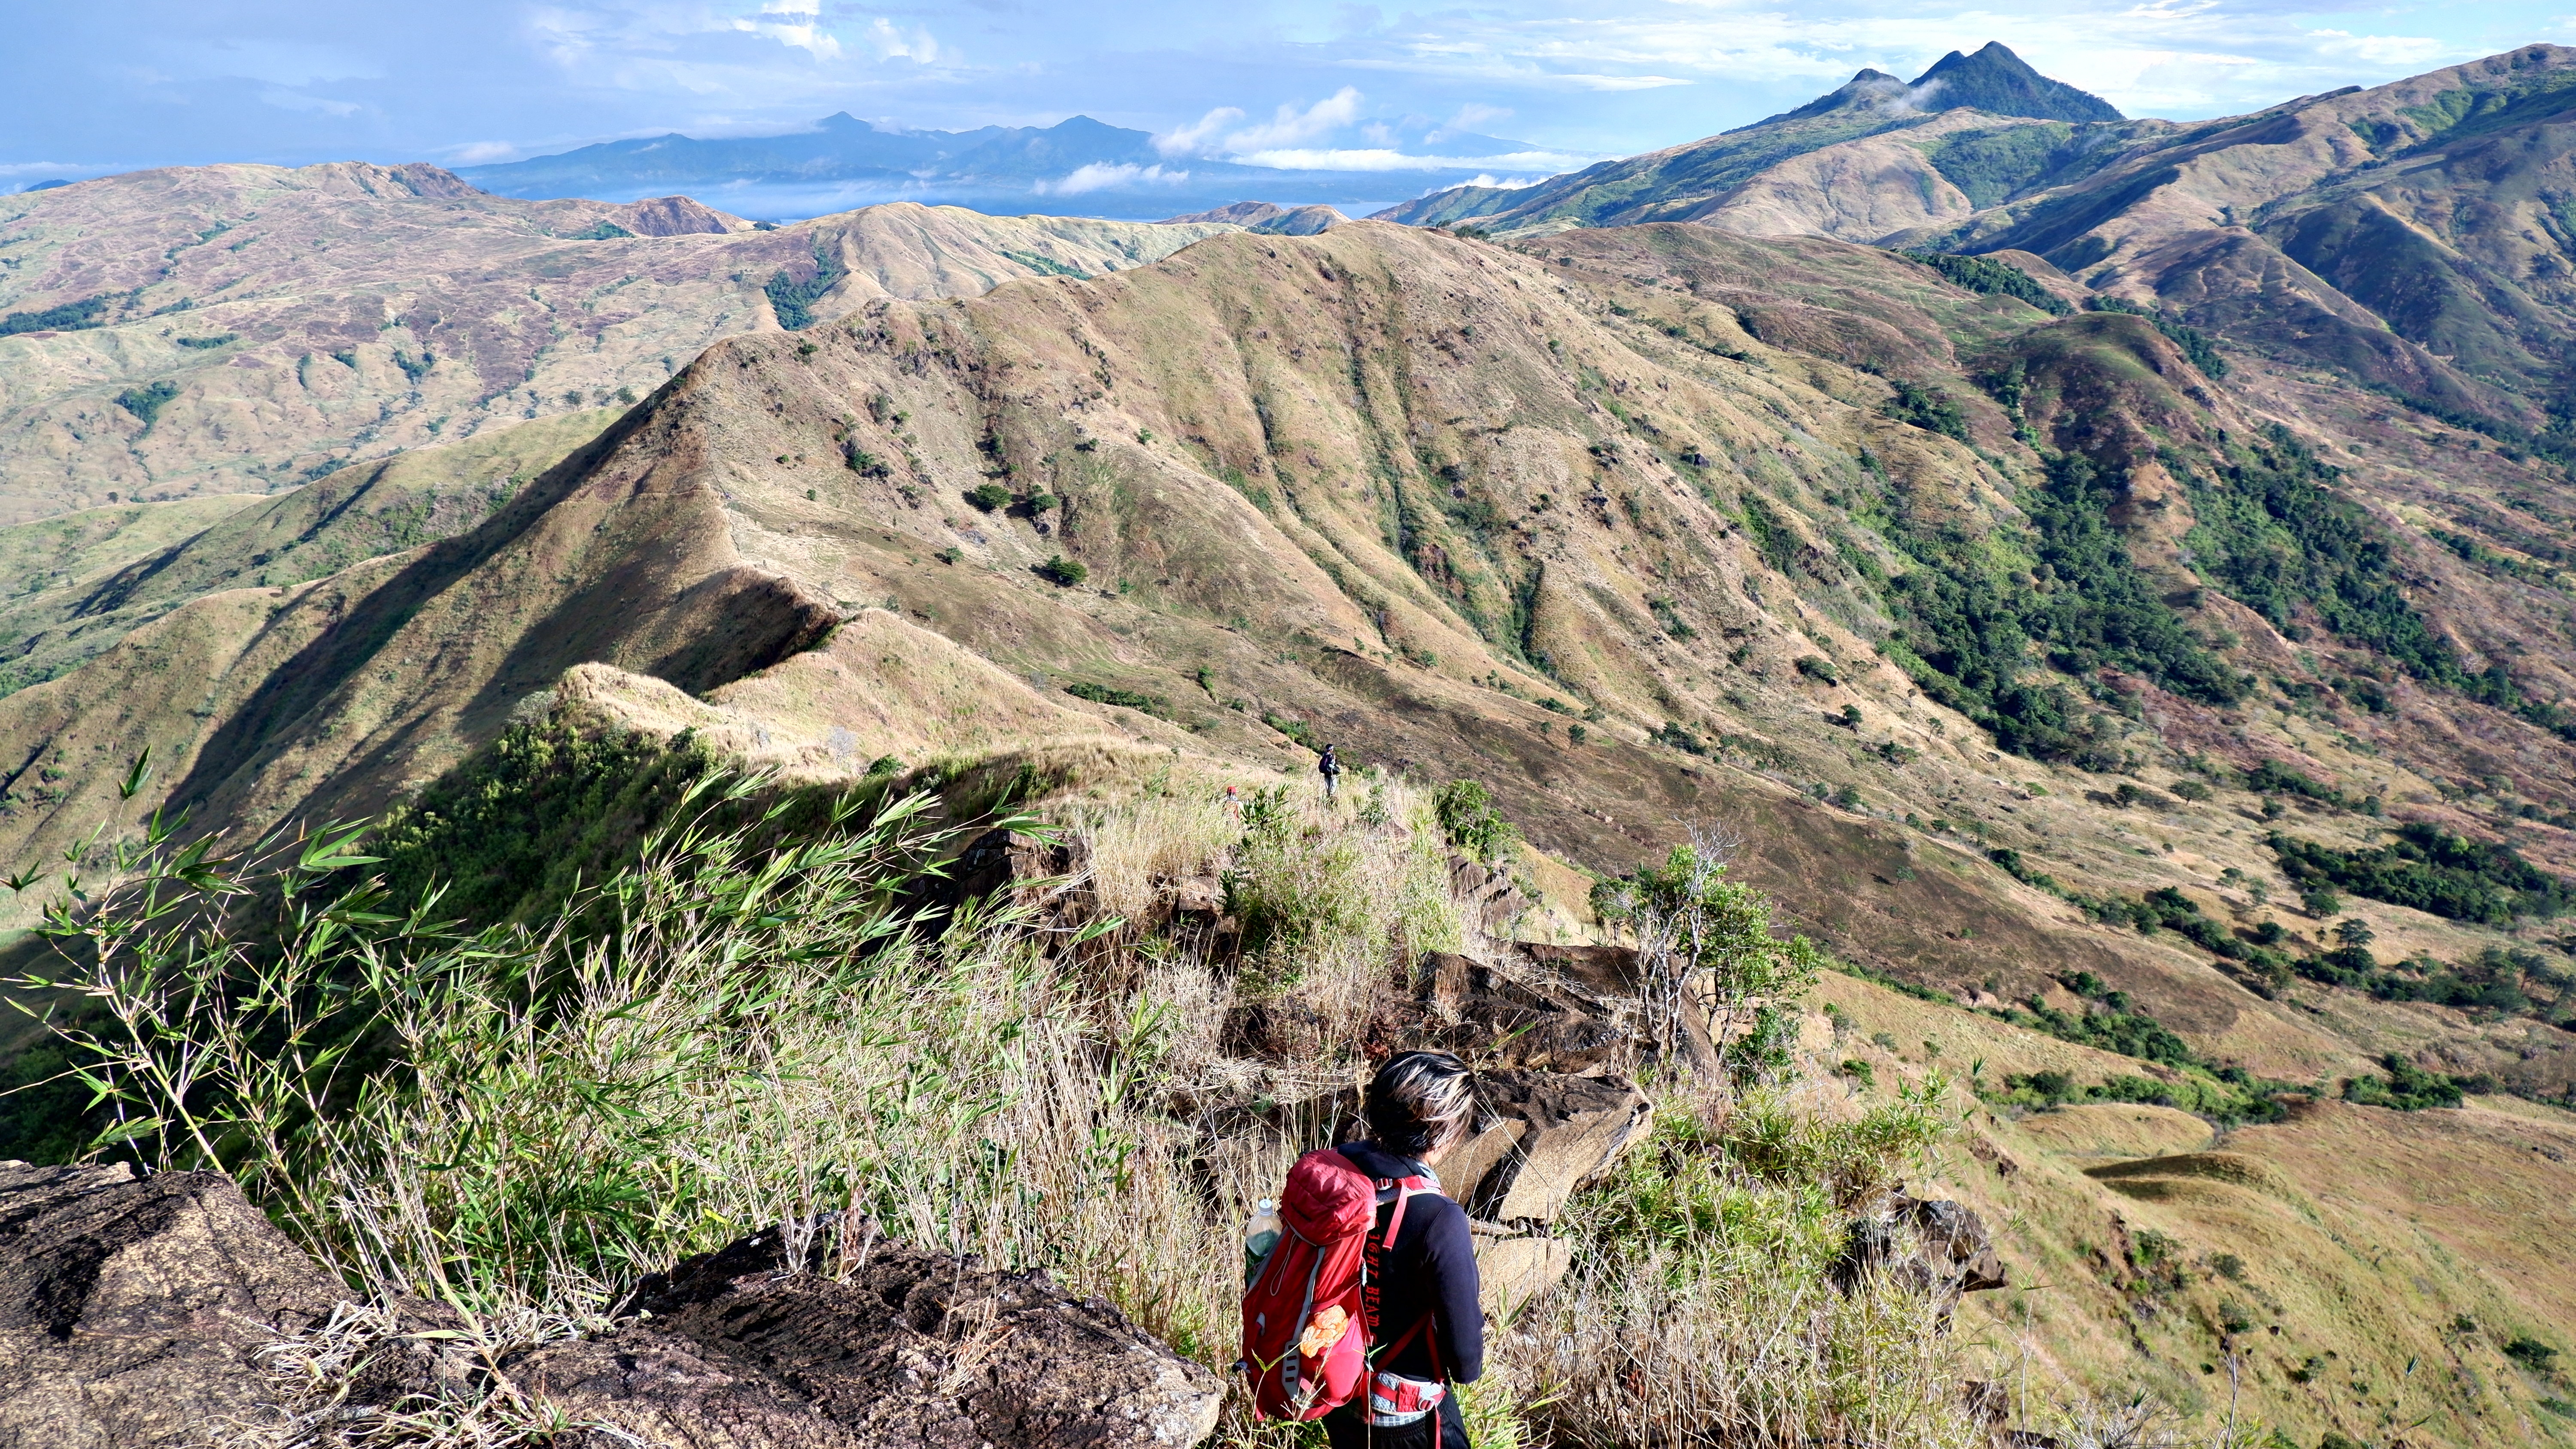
1682	182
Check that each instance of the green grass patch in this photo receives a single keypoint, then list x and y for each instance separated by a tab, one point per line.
147	401
1046	266
1104	694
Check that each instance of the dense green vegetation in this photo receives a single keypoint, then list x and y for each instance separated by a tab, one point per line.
1975	608
1105	694
2431	870
2498	980
511	833
1977	274
1928	408
601	231
2274	536
2109	1022
793	301
147	401
1046	266
69	317
2409	1088
2195	344
1470	821
1990	166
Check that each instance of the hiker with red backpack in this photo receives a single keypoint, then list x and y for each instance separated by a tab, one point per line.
1363	1310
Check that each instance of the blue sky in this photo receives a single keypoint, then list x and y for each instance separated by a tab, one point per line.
111	85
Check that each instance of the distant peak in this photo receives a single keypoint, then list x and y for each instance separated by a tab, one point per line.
1994	79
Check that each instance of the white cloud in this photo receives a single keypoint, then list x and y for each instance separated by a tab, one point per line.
1290	125
2379	49
1474	116
1198	135
1217	133
1617	82
1099	176
893	44
475	153
802	35
1386	159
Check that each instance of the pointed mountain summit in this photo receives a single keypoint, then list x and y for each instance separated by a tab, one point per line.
1993	80
1997	81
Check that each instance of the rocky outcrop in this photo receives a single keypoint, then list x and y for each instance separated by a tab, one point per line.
1489	904
907	1348
1559	1008
133	1314
130	1310
1548	1135
1931	1245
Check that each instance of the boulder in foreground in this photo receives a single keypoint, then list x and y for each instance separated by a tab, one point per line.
130	1310
133	1314
909	1348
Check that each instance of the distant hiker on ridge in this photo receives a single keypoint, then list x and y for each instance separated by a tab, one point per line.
1330	767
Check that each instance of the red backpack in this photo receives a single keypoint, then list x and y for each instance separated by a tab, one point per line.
1310	1313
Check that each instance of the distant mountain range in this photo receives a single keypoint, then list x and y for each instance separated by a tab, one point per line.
2407	236
1076	166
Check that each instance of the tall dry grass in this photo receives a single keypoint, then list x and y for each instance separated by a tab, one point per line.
721	1039
1702	1307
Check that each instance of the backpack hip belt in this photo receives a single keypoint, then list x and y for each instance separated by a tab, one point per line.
1395	1399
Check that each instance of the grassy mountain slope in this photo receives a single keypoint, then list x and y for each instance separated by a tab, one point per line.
2409	236
1669	511
2147	1246
140	570
2010	642
246	328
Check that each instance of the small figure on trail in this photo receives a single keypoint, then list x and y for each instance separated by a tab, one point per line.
1375	1354
1234	805
1330	767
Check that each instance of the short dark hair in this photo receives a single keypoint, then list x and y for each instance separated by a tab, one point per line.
1420	1102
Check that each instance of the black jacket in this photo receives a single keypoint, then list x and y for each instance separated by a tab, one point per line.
1431	1269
